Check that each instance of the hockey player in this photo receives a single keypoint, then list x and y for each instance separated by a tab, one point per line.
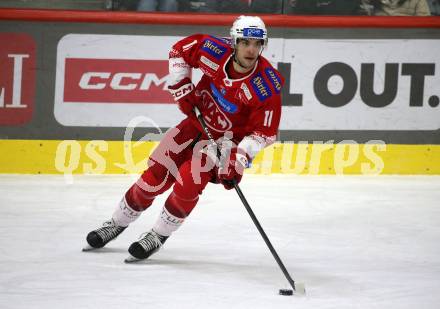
239	98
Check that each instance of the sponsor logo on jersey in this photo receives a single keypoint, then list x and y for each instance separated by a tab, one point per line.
246	91
227	106
213	115
253	33
17	78
260	87
209	63
214	49
274	79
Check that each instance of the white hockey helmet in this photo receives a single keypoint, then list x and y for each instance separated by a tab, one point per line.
248	27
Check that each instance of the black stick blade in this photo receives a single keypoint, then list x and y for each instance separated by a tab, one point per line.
286	292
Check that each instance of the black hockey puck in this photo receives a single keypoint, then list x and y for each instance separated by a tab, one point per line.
286	292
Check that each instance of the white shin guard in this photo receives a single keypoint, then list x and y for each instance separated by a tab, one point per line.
167	223
124	214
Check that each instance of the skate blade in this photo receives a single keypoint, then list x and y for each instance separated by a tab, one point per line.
132	259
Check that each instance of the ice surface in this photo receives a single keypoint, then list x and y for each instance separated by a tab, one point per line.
356	242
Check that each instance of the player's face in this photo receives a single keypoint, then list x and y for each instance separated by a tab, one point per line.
247	52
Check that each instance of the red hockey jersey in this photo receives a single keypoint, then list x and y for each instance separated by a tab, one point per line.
249	107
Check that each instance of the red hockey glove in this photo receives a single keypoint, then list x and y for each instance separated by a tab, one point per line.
184	94
233	168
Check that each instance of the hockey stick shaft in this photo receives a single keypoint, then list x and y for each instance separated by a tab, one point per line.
247	206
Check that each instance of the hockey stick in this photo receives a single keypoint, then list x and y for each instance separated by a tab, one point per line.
298	288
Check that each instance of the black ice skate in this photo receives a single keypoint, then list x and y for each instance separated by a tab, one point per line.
148	244
100	237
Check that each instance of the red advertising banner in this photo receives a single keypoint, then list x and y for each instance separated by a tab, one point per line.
17	78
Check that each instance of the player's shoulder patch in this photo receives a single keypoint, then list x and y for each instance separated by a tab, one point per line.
214	47
260	86
274	78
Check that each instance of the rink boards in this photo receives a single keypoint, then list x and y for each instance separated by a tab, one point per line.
116	157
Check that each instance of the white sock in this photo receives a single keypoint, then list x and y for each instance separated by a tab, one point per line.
124	214
167	223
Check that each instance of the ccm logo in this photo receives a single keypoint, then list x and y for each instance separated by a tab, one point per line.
182	91
120	81
116	81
